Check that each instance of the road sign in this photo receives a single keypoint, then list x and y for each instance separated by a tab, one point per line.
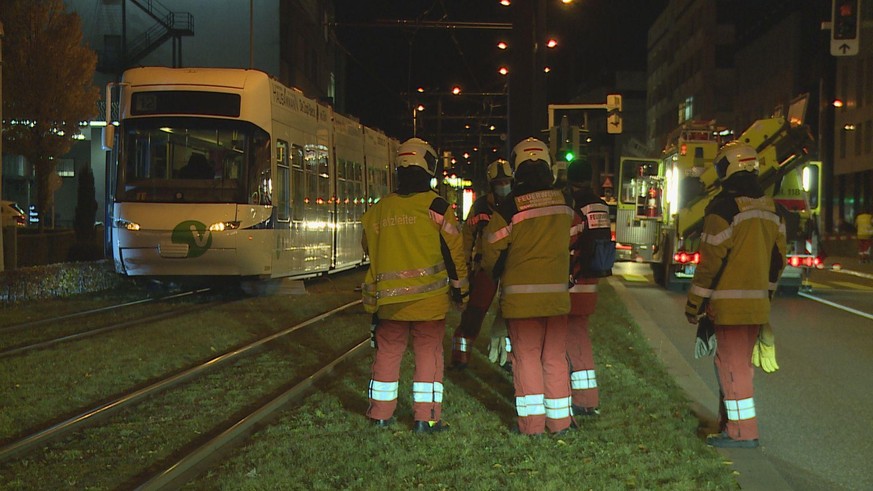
845	27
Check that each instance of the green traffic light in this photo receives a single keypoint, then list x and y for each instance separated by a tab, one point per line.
568	157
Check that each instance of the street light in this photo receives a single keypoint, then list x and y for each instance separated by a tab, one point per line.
417	109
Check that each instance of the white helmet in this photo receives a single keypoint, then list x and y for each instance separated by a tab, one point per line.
499	169
531	150
735	156
417	152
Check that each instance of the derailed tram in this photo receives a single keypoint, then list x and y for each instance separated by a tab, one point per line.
228	174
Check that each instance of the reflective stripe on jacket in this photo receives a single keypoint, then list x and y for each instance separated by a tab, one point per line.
591	223
416	255
533	230
748	236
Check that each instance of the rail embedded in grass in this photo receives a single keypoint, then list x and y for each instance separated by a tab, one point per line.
43	436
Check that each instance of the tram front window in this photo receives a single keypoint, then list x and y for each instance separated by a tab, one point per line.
186	160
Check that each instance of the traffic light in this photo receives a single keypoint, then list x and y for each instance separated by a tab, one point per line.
845	20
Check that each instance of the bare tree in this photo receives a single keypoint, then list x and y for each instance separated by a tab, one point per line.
48	86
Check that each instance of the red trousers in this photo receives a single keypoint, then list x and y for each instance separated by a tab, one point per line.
482	290
733	365
540	373
427	380
864	248
583	380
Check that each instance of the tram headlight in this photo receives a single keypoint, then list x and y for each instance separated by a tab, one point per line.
222	226
126	224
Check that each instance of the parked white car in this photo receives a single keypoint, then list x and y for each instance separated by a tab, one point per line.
13	215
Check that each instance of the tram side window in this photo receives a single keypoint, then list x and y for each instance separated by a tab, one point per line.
259	180
298	181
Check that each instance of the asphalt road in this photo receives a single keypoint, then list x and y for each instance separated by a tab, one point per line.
816	413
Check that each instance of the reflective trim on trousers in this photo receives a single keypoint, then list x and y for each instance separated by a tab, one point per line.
740	409
383	391
530	405
558	408
427	392
583	379
460	344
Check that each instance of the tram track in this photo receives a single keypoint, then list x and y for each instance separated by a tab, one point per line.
50	342
100	310
196	462
126	403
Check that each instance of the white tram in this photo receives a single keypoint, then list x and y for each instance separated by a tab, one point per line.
228	173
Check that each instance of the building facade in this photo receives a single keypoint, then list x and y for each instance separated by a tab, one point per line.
290	40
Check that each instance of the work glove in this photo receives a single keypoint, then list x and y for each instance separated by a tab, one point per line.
764	352
500	347
705	343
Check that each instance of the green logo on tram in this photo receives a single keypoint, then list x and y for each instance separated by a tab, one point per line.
194	234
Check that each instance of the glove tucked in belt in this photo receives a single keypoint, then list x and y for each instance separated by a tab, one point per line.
764	352
705	343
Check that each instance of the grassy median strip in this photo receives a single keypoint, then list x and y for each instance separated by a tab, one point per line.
645	437
145	438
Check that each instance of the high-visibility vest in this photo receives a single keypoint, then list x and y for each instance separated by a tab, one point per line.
404	235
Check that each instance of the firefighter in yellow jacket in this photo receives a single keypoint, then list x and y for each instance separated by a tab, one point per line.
482	286
526	249
742	255
416	269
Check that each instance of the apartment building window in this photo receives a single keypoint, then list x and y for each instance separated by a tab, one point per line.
66	167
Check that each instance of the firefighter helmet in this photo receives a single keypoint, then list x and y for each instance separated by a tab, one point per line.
416	152
531	150
499	169
735	156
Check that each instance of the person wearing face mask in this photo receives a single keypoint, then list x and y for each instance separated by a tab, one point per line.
482	286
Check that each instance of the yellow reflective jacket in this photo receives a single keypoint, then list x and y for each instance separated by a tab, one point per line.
742	255
864	226
416	255
526	248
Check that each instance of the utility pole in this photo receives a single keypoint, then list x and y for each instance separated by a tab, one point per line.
2	260
527	97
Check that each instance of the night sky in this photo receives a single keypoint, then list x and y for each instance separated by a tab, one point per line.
596	37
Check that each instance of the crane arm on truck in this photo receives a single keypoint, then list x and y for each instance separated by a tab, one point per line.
781	148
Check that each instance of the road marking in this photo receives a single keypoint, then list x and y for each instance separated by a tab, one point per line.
853	286
836	305
820	286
